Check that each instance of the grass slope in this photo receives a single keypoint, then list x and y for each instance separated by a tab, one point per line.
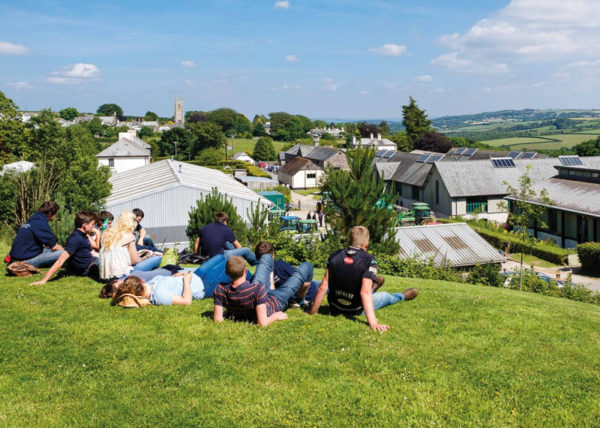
459	355
545	142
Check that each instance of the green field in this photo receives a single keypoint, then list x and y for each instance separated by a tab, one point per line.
459	355
247	145
546	142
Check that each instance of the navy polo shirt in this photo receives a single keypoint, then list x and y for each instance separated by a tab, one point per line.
32	237
213	237
80	251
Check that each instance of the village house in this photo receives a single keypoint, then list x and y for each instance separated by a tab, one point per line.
300	173
127	153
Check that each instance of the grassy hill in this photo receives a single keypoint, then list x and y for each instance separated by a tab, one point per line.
457	355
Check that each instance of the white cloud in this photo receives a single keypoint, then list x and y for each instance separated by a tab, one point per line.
282	5
424	78
364	93
389	49
189	83
188	64
292	58
20	85
330	85
526	32
74	74
7	48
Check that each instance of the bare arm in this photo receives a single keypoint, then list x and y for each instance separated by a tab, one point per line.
366	296
95	241
186	298
196	245
142	236
218	314
263	320
56	248
133	254
236	244
320	294
54	268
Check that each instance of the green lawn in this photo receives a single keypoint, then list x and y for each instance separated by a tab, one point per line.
307	192
459	355
532	260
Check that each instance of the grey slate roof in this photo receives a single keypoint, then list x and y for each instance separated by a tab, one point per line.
410	171
321	153
298	164
301	150
386	169
480	178
454	244
124	148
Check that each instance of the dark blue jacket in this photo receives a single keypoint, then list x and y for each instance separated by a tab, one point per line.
32	237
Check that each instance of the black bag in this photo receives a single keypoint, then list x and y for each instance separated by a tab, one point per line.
191	258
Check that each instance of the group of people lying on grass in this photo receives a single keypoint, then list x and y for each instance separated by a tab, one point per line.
350	280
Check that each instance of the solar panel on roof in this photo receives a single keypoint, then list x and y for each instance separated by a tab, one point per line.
570	160
470	152
434	158
379	153
388	154
514	155
503	162
423	157
528	155
460	150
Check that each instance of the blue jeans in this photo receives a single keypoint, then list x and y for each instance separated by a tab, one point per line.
383	299
148	264
283	294
148	275
243	252
45	259
263	271
148	244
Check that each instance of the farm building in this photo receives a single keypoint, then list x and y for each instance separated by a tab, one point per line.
300	173
257	183
166	191
454	244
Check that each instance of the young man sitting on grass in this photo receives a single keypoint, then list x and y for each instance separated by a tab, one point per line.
78	249
349	277
245	300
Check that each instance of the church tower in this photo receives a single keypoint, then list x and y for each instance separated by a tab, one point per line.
179	112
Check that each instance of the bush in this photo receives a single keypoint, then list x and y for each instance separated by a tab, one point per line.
535	284
487	274
205	210
414	268
254	171
286	192
589	256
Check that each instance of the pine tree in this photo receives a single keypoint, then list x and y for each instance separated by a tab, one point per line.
264	150
415	121
356	196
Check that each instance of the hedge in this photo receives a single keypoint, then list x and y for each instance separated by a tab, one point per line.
546	252
589	256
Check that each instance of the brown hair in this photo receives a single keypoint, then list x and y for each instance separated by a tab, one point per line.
109	289
84	217
104	214
359	236
263	248
138	212
49	208
235	267
131	285
221	217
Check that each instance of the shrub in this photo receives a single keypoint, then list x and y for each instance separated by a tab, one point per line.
589	256
286	192
254	171
414	268
486	274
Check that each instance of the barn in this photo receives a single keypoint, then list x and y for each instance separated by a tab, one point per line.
166	190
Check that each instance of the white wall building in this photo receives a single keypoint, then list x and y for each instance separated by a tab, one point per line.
128	153
300	173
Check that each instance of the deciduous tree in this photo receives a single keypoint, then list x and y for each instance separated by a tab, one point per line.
69	113
109	110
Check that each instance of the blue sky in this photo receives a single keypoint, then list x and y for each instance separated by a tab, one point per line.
325	59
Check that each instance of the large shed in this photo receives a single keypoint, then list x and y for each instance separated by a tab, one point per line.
454	244
166	190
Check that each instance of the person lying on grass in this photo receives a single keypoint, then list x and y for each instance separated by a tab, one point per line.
179	289
78	250
253	301
349	279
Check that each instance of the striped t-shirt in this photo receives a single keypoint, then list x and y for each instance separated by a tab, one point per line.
242	300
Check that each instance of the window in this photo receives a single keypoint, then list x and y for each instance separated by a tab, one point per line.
111	162
477	204
415	193
437	192
552	223
311	175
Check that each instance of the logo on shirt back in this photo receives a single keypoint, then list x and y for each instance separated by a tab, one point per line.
348	260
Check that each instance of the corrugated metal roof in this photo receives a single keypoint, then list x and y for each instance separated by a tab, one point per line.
168	173
249	179
454	244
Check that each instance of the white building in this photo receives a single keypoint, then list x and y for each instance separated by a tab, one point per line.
20	166
243	156
300	173
378	143
128	153
167	190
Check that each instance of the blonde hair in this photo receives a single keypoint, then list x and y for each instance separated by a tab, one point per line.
125	224
359	236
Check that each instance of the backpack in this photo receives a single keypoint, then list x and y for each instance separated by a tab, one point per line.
191	258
